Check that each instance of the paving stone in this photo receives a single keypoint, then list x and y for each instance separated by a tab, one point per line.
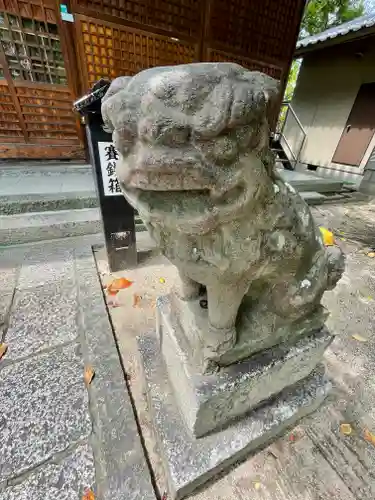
43	409
5	304
46	264
64	480
121	467
41	318
8	276
190	462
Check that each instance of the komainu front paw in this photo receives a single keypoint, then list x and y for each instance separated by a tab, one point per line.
218	341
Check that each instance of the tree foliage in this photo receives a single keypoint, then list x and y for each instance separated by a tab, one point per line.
293	74
320	15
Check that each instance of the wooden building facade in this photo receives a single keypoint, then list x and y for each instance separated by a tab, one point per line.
45	62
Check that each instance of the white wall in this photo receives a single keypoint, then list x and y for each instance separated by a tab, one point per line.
326	89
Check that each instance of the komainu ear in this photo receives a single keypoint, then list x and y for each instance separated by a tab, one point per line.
111	98
272	95
213	117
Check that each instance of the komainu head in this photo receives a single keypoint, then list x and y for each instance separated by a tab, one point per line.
193	136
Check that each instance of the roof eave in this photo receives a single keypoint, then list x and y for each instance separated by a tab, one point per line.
338	40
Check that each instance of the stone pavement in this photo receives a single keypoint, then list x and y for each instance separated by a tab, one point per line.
49	177
57	437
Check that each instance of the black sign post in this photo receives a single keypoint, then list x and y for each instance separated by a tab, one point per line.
117	214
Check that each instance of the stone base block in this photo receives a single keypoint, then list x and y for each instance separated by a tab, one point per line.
189	461
210	402
257	328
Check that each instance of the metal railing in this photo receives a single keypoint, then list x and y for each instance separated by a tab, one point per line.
290	134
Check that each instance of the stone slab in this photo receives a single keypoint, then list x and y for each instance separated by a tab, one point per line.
257	329
44	264
312	197
64	479
209	402
121	468
17	204
303	181
190	462
8	275
51	177
5	305
42	318
8	281
24	228
43	409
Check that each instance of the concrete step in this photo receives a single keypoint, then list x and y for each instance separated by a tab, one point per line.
48	201
312	197
22	228
45	179
29	227
17	229
310	182
71	200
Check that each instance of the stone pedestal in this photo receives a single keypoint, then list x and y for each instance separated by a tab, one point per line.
205	422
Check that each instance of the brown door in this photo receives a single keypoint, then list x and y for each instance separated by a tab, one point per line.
359	128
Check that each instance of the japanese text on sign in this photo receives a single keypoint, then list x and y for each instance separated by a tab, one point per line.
108	156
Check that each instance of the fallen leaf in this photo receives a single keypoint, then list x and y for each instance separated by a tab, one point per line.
112	291
3	349
369	436
118	284
88	495
161	280
257	485
121	283
296	434
328	238
358	337
371	255
88	375
136	300
346	429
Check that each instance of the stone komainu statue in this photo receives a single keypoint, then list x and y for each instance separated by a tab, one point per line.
196	164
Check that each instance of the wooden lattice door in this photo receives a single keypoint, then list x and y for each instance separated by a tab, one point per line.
118	37
260	35
36	117
108	50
